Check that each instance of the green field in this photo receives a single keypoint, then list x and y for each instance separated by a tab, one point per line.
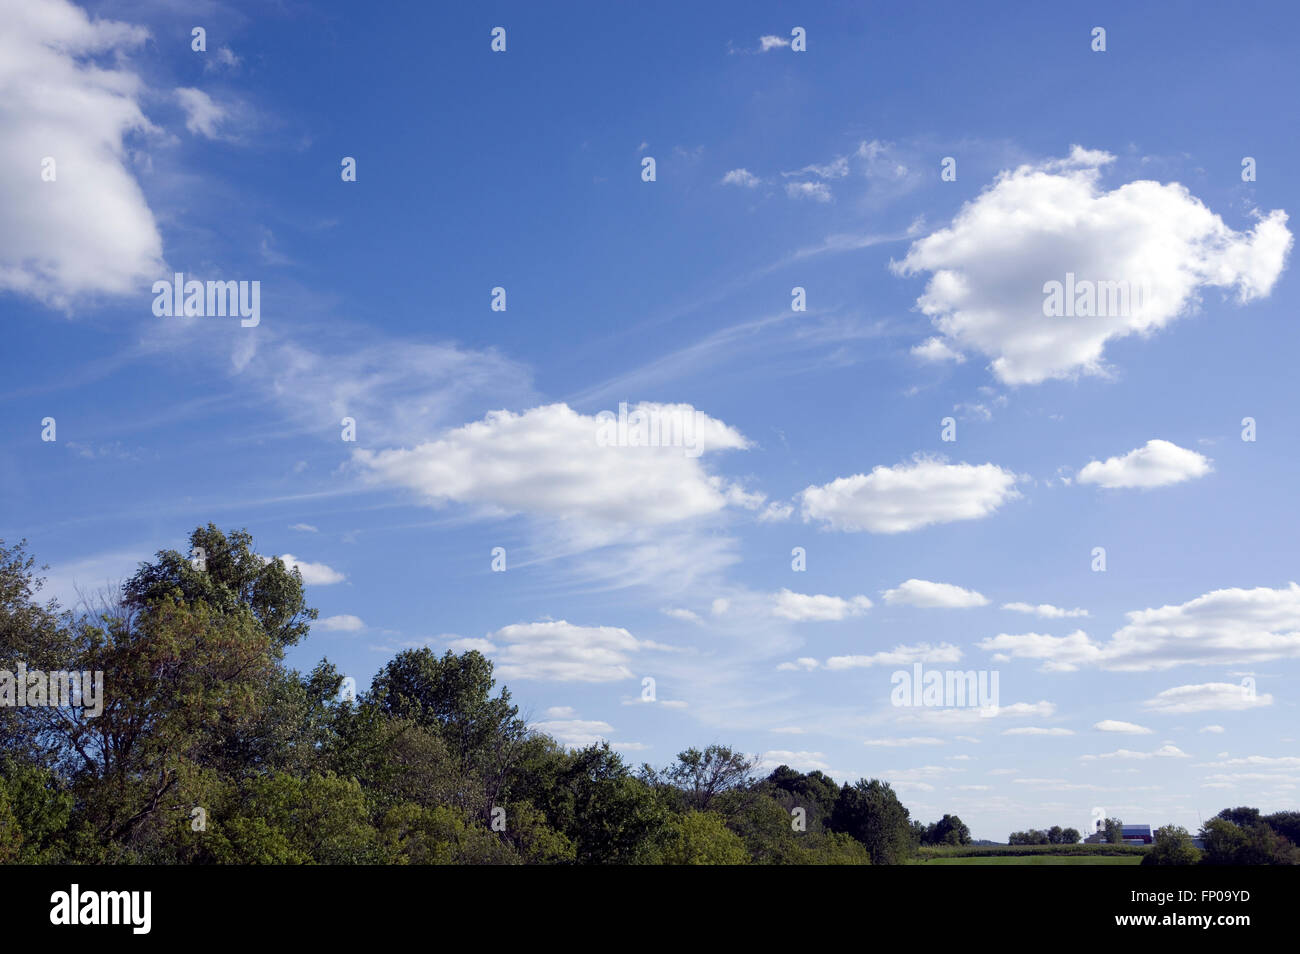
1032	855
1042	859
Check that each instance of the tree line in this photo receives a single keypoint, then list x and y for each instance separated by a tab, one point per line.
209	749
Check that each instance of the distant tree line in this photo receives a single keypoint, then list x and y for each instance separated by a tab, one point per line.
1056	835
209	750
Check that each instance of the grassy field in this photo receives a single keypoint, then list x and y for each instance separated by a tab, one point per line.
1033	855
1043	859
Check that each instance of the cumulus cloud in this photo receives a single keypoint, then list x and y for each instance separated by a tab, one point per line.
70	97
1156	464
345	623
909	496
1045	610
1208	697
1114	725
741	177
549	461
314	574
559	651
798	606
923	593
772	42
1222	627
1037	223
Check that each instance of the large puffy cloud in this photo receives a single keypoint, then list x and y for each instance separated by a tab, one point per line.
1224	626
552	461
909	496
924	593
801	606
559	651
1156	464
66	94
1039	222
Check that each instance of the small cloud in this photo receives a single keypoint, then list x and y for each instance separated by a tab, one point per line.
771	42
203	116
741	177
817	191
304	527
1130	728
345	623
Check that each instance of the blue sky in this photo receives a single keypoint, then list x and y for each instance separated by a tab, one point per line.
818	429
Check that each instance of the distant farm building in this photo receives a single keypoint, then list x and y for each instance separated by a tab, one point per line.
1137	834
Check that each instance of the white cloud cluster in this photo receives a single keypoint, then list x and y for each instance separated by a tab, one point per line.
1208	697
559	651
1155	464
1044	610
909	496
1038	223
1222	627
924	593
548	461
69	96
800	606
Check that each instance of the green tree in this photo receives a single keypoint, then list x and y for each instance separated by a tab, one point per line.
1172	846
870	812
702	838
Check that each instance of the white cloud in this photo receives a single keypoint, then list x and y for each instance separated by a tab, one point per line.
203	115
899	656
772	42
805	663
1039	222
576	733
313	574
935	350
818	191
798	606
1045	610
1164	752
799	761
548	461
304	527
70	96
466	643
1213	729
1208	697
683	614
904	743
1113	725
1222	627
346	623
909	496
923	593
1037	730
741	177
559	651
1156	464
